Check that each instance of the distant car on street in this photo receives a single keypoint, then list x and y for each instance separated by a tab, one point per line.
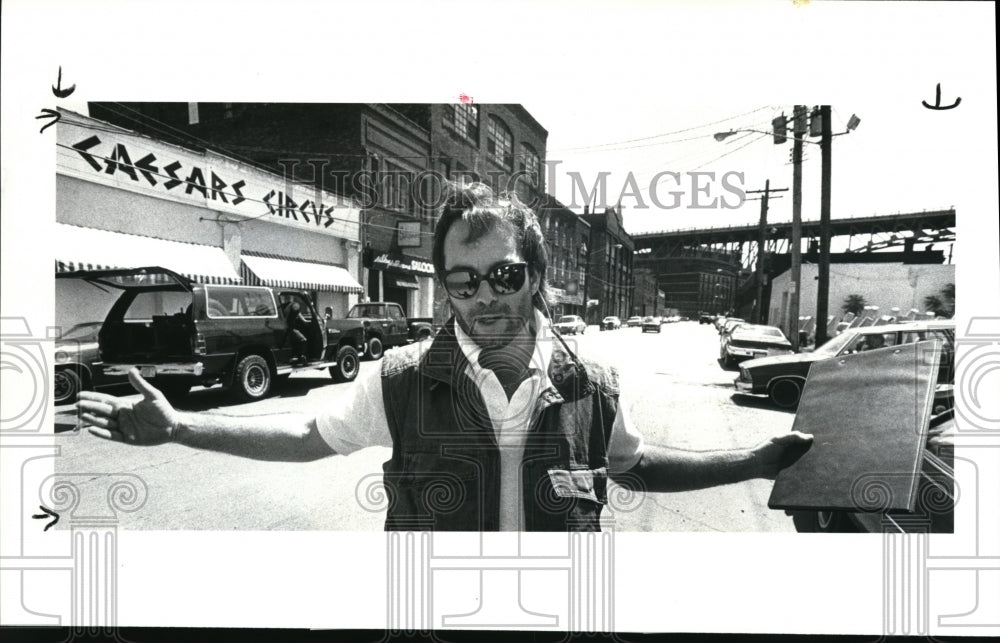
78	363
611	323
634	321
750	341
651	324
706	318
782	377
571	325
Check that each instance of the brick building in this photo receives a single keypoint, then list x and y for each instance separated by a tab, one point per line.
566	240
374	154
610	255
390	159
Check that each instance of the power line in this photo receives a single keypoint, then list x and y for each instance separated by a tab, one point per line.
646	138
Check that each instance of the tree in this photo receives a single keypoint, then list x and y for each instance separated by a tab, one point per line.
942	304
854	304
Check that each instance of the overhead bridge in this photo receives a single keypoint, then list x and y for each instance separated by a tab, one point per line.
737	245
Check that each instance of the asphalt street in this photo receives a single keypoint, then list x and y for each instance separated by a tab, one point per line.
672	383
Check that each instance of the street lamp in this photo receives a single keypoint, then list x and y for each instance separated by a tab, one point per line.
852	124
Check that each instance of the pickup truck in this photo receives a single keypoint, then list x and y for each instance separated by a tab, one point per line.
179	332
385	326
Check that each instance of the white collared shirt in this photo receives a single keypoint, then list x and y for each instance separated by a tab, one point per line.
360	420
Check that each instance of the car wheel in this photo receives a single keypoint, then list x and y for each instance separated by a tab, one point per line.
253	378
785	392
828	522
375	349
67	385
424	335
347	366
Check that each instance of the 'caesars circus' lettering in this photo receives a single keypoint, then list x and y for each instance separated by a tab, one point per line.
120	161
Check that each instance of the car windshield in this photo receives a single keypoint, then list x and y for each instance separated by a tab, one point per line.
648	319
82	332
567	319
835	345
770	331
366	311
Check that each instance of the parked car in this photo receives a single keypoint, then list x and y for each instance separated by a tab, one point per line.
706	318
611	323
651	324
571	325
179	332
78	364
634	321
781	377
750	341
385	326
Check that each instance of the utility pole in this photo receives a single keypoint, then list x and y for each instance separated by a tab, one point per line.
798	132
758	310
823	293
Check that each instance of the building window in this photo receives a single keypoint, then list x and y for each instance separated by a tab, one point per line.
531	165
500	143
463	119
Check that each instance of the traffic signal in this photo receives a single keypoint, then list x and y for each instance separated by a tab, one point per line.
780	124
816	122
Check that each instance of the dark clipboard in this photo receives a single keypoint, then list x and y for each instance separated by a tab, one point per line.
869	414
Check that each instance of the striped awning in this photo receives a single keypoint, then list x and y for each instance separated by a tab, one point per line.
78	248
291	273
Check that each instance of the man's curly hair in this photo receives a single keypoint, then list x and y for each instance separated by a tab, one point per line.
476	204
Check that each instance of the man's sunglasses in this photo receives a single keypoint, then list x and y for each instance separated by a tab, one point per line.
504	279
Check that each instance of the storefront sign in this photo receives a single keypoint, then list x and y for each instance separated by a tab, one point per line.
560	296
401	263
93	151
408	234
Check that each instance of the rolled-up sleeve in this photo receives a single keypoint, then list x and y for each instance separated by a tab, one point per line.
626	444
357	420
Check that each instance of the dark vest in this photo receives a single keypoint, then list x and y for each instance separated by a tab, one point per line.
445	469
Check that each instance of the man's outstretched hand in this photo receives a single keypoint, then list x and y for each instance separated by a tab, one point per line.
151	420
776	453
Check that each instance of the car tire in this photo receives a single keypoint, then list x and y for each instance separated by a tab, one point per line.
785	392
375	350
67	384
824	522
253	378
347	367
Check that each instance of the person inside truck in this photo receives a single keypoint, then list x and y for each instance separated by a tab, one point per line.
297	328
497	409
